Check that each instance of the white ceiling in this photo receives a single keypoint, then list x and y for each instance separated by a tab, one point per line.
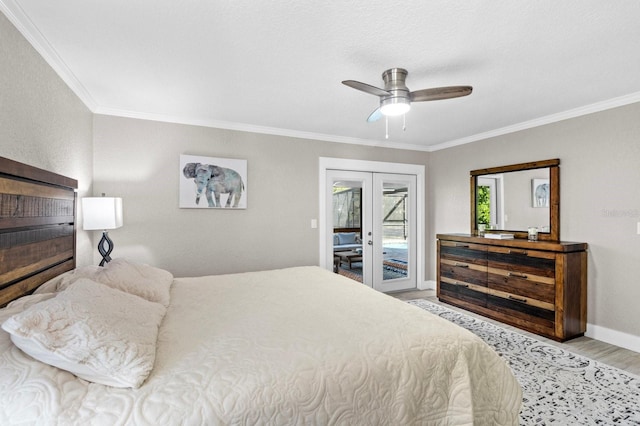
276	66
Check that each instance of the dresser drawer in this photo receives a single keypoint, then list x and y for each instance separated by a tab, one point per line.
523	314
531	262
525	287
459	290
475	254
465	272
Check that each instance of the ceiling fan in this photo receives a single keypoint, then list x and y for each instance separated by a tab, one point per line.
395	98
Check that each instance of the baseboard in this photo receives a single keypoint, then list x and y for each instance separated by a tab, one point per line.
613	337
607	335
427	285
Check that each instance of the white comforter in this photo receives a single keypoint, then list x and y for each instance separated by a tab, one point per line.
291	346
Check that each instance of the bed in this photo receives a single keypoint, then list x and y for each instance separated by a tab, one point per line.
298	345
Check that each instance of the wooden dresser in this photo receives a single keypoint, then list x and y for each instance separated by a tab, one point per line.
539	286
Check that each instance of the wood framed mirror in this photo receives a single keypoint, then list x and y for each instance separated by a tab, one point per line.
516	197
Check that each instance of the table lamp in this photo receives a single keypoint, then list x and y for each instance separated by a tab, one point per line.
102	213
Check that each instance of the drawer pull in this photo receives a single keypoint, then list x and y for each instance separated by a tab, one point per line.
462	245
518	252
516	274
518	299
461	284
461	265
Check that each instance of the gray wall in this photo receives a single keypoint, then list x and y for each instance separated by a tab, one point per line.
42	122
599	193
138	160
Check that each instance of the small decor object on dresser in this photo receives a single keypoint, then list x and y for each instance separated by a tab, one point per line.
499	235
222	181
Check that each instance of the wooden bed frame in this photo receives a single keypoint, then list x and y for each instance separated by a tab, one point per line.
37	227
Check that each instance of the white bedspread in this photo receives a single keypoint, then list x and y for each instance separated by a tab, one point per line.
292	346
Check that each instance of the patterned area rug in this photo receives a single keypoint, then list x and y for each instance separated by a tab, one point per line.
392	268
350	273
559	387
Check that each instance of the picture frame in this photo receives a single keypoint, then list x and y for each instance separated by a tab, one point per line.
540	193
212	182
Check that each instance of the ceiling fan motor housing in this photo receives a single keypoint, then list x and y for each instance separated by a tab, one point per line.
394	79
399	101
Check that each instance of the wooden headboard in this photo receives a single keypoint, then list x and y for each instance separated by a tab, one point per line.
37	227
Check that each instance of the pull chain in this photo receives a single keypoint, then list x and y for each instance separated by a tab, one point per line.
386	125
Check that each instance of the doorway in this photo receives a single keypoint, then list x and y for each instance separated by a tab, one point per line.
381	209
489	202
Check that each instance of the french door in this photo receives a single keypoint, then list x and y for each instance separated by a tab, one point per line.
381	208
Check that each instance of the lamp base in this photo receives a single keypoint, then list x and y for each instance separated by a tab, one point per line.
105	252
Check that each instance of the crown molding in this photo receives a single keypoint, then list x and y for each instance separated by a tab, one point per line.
549	119
244	127
21	21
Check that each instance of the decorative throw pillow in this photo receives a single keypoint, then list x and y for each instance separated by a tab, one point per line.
347	237
98	333
146	281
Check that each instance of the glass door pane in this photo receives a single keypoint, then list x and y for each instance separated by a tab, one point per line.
395	235
349	215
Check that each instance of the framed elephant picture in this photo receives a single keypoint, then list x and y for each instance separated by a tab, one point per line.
211	182
540	192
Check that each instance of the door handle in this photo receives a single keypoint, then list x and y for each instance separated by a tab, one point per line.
370	242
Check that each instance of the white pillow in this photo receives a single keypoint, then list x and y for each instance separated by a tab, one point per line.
27	301
146	281
98	333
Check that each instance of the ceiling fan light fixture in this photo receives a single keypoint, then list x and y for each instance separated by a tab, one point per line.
394	106
396	98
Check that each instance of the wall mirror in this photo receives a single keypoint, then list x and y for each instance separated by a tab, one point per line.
517	197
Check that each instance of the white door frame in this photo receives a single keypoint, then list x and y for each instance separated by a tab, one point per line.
326	239
496	196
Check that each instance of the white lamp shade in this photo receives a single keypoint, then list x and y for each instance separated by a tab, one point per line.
101	213
394	106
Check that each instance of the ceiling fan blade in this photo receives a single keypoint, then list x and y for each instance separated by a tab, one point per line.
375	116
367	88
438	93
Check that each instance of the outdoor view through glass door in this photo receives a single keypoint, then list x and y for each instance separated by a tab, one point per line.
488	202
373	228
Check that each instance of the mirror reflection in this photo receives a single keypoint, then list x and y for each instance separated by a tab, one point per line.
516	200
523	199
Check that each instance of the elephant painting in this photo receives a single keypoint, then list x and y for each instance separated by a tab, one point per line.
541	195
213	181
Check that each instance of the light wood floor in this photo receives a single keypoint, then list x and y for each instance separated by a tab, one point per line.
605	353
